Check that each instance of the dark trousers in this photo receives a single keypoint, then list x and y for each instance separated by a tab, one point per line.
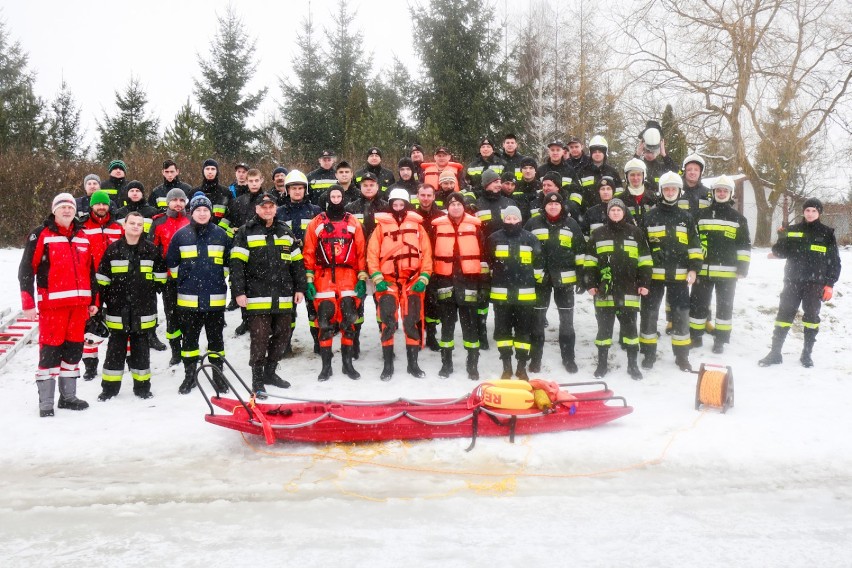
677	296
170	307
138	359
699	307
450	313
512	329
606	322
809	295
213	324
270	334
564	298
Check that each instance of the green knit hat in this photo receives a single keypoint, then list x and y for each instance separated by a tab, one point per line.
100	196
117	164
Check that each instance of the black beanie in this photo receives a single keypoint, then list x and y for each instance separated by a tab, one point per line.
554	177
405	163
135	184
812	202
210	162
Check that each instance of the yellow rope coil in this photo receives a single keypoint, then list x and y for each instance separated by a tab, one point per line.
711	391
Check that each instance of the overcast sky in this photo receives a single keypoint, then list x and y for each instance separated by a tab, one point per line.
96	44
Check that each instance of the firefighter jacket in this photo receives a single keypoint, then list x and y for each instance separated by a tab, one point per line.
56	269
570	181
383	175
241	210
811	253
237	190
489	209
83	207
163	229
365	211
331	246
723	234
400	250
536	207
101	233
266	267
562	250
590	177
197	260
655	168
297	216
459	261
674	244
596	216
115	189
578	163
695	199
514	256
221	198
319	180
513	164
148	213
638	205
281	197
473	171
158	196
617	264
128	279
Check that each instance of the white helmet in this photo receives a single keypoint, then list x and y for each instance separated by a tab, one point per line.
670	178
693	158
598	141
635	165
724	181
399	193
651	137
295	177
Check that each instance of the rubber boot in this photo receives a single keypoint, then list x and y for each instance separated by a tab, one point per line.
46	392
810	339
109	389
473	364
387	371
347	353
68	395
774	356
91	364
446	363
632	367
258	382
325	372
649	356
219	375
188	383
154	341
682	361
536	349
603	368
413	368
432	337
482	321
270	377
242	329
697	340
566	349
521	371
718	346
507	367
142	389
175	346
315	337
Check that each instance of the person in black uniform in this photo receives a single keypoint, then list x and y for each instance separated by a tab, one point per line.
813	267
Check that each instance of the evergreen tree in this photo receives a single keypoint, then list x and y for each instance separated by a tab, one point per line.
22	123
305	121
185	137
676	145
64	128
358	132
221	90
464	91
131	127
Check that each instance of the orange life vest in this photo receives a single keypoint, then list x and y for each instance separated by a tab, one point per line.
432	173
400	252
468	252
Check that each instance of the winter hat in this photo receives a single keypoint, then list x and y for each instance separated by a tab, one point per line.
607	181
63	199
455	196
812	202
266	197
447	175
91	176
117	164
175	193
100	196
616	202
486	141
488	177
279	170
405	163
508	176
554	177
135	184
528	162
200	200
417	147
369	175
210	162
553	197
374	152
511	210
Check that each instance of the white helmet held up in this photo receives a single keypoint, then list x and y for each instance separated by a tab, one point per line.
651	137
399	193
294	177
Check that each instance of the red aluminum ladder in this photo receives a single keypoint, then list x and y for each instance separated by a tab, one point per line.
15	332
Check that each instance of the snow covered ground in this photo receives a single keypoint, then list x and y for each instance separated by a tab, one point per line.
144	483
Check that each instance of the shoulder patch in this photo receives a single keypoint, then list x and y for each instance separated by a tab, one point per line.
33	236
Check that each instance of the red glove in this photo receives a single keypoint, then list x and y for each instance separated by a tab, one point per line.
827	293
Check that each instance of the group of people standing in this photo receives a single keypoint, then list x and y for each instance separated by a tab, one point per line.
436	244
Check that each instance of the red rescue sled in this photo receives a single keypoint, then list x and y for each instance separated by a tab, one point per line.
314	421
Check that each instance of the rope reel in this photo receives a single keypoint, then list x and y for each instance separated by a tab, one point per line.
715	387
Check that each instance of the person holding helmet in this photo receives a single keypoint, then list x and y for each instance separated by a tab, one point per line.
296	213
485	160
677	256
336	273
636	196
723	233
617	270
399	260
652	151
812	270
562	248
595	168
696	196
